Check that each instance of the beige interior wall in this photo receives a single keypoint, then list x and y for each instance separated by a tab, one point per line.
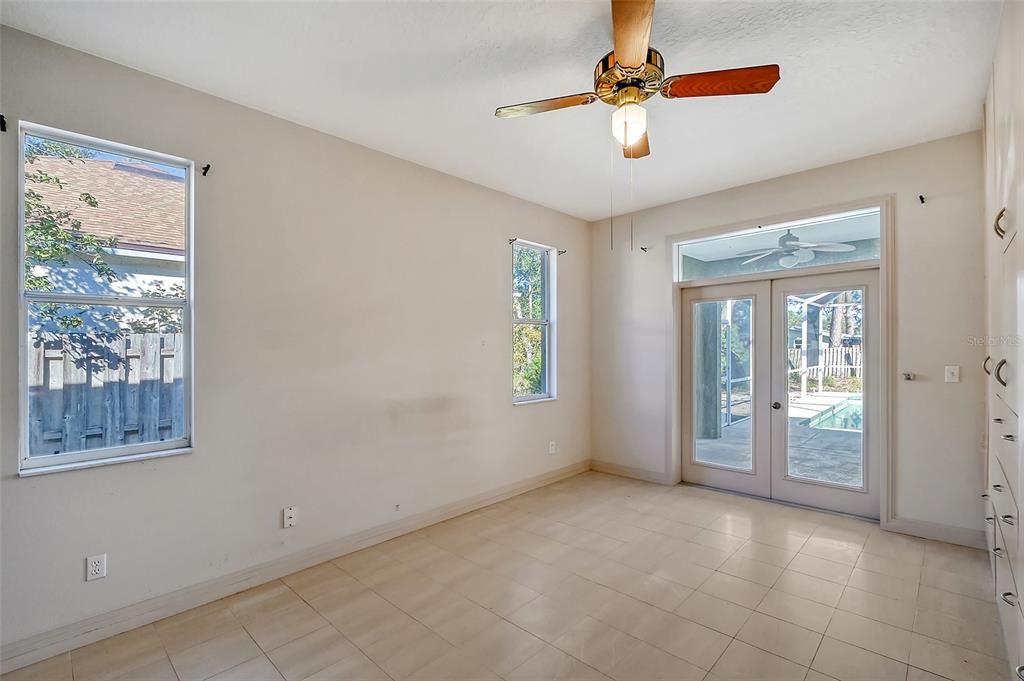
373	297
939	281
353	348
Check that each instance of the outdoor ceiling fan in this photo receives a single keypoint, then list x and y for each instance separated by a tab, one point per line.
634	72
794	251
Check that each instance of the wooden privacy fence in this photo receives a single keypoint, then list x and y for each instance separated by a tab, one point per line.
839	362
97	390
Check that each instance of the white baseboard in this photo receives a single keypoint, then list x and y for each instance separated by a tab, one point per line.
945	533
630	472
33	649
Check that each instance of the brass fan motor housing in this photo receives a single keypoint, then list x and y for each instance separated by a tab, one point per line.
616	85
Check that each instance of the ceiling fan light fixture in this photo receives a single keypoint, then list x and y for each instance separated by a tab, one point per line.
788	261
629	123
804	255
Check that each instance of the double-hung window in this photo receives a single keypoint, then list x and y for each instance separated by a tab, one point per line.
533	321
105	302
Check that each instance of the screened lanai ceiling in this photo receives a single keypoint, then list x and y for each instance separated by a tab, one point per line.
851	236
842	227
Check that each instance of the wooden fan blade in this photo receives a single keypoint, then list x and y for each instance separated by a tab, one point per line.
631	31
751	80
553	104
640	148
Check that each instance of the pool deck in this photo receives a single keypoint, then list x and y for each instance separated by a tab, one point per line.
814	453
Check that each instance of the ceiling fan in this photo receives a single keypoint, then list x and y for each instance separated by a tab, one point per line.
634	72
794	251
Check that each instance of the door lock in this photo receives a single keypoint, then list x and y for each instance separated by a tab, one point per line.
776	405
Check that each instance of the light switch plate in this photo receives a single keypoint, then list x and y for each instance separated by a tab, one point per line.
952	374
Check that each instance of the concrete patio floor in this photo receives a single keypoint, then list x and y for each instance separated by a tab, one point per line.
822	454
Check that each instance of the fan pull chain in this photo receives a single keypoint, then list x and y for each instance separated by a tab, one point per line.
611	197
631	204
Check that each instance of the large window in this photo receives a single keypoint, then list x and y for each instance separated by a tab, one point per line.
106	356
533	329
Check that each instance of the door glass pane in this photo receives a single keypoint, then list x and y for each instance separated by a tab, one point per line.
826	386
722	382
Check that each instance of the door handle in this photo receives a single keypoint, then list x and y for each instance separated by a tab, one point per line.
1007	519
999	375
1020	672
989	519
997	487
1009	438
999	553
1000	232
776	405
1009	598
984	365
998	420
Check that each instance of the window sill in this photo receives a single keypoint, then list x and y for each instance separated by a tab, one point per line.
520	403
95	463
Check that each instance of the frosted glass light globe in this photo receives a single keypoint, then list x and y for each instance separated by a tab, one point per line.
629	123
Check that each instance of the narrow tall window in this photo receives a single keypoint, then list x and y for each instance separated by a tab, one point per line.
533	328
106	353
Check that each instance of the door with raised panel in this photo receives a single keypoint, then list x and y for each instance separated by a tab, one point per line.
1007	341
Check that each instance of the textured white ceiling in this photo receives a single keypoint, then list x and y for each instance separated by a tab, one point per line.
420	80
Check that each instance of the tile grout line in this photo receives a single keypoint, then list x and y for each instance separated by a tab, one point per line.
266	652
631	504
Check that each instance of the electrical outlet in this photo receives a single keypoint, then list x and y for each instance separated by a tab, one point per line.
953	374
290	517
95	567
552	447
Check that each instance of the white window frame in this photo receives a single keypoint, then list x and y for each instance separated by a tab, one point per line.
550	320
101	456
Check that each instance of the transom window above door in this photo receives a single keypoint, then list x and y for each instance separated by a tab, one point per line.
840	238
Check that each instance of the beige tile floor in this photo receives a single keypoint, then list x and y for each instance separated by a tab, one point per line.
593	578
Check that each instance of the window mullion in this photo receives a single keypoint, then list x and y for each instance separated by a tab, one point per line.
100	299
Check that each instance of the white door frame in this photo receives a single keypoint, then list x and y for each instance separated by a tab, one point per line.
887	362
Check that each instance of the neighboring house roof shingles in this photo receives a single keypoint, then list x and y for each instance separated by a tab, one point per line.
139	204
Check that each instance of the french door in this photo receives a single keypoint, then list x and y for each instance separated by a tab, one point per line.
781	386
